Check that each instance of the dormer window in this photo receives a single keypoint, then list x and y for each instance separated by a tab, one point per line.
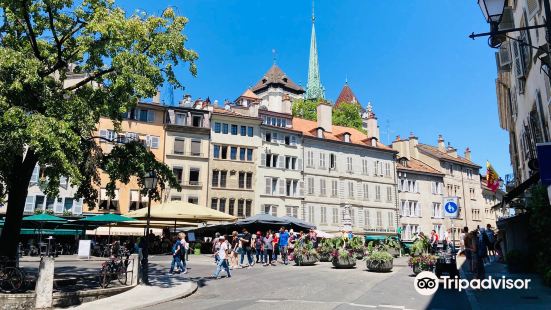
374	141
320	133
285	80
404	162
347	137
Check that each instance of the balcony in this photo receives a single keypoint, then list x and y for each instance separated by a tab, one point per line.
191	183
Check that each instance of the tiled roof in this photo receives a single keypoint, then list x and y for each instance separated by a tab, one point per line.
416	165
221	111
434	151
276	76
308	129
346	96
249	94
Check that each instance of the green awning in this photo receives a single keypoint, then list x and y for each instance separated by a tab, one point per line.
51	232
374	237
44	218
107	218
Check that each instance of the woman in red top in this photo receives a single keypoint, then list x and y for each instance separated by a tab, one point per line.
275	242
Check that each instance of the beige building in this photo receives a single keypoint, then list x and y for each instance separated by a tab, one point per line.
274	87
343	166
187	147
234	149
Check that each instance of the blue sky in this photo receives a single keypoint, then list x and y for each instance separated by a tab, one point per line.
412	59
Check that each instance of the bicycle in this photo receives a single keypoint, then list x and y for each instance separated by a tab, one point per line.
12	279
115	268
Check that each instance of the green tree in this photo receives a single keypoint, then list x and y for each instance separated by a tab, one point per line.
45	120
306	109
348	115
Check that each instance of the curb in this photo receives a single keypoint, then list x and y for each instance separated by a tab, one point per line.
184	294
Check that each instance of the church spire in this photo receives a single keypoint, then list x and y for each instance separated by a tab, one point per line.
314	89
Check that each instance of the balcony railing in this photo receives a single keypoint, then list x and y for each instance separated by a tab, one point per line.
191	183
194	154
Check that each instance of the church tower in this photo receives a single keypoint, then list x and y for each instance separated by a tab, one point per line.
314	89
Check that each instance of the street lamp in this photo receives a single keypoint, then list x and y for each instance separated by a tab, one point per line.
150	183
492	10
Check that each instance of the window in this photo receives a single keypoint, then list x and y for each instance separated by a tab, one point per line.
332	161
450	169
366	191
214	203
216	151
311	214
233	153
196	120
193	199
178	173
242	153
322	161
270	209
377	193
225	128
241	179
291	211
175	198
248	207
194	176
180	119
310	159
376	166
310	186
250	131
364	166
234	130
379	219
217	127
240	207
437	210
387	169
390	219
195	147
471	192
476	214
367	218
272	160
389	194
153	142
68	204
470	174
231	207
350	189
106	202
287	140
334	188
346	137
249	180
223	176
322	187
249	154
268	136
334	216
179	146
137	201
243	130
215	178
222	206
349	164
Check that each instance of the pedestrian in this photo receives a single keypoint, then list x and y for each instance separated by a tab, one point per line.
313	237
291	248
491	241
258	246
468	248
446	240
268	248
283	245
462	236
484	244
234	249
275	246
223	250
216	246
433	241
176	261
480	248
246	248
184	250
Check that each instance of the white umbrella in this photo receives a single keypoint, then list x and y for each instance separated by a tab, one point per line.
323	234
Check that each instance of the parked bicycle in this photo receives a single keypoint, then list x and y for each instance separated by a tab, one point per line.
114	268
12	279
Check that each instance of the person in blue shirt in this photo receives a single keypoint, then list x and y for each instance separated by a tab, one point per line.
283	244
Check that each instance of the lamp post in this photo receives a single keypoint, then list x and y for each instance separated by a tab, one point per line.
493	13
150	182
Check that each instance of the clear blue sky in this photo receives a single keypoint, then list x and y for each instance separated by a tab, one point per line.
411	59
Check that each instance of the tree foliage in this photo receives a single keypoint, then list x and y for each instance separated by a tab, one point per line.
348	115
48	118
305	108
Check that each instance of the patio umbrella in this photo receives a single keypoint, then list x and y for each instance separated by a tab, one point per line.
42	219
108	219
297	222
323	234
182	211
262	219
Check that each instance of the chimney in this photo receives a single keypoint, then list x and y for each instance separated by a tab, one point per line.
413	142
441	145
157	98
468	153
398	138
325	116
372	126
286	104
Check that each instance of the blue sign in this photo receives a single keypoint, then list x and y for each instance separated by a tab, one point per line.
450	207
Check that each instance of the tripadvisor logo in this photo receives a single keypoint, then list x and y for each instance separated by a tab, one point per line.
427	283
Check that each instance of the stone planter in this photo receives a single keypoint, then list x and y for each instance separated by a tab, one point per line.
417	269
343	263
359	255
325	257
378	266
302	260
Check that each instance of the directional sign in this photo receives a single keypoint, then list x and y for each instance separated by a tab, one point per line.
450	207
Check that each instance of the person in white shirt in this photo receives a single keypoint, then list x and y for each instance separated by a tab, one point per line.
184	249
223	258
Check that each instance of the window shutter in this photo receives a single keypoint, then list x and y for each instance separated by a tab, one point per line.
417	209
29	204
268	186
367	218
293	140
263	160
281	187
34	177
150	116
381	173
77	207
519	62
281	161
299	164
301	188
416	186
103	135
58	206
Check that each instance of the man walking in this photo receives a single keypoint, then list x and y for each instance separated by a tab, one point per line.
283	244
246	249
222	253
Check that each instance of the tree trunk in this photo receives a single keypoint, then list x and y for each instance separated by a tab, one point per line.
17	185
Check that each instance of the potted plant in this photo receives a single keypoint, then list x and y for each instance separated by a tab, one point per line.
343	258
38	211
197	248
305	254
423	262
357	246
325	249
379	261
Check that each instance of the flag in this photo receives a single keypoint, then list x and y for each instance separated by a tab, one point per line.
492	178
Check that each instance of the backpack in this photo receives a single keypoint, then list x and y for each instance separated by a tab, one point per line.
175	247
481	246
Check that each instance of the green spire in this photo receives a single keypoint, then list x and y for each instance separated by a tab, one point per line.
314	89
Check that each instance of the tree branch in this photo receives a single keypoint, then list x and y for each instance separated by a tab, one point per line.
90	78
30	31
60	61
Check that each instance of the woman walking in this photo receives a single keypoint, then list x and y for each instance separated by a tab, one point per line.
222	258
234	247
258	246
268	248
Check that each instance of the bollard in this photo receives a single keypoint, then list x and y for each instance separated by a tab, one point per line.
45	284
133	270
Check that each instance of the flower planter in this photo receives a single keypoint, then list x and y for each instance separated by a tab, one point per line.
418	268
359	255
343	263
379	266
325	257
303	260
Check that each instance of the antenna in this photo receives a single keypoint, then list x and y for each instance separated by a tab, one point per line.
274	55
313	15
168	98
388	132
